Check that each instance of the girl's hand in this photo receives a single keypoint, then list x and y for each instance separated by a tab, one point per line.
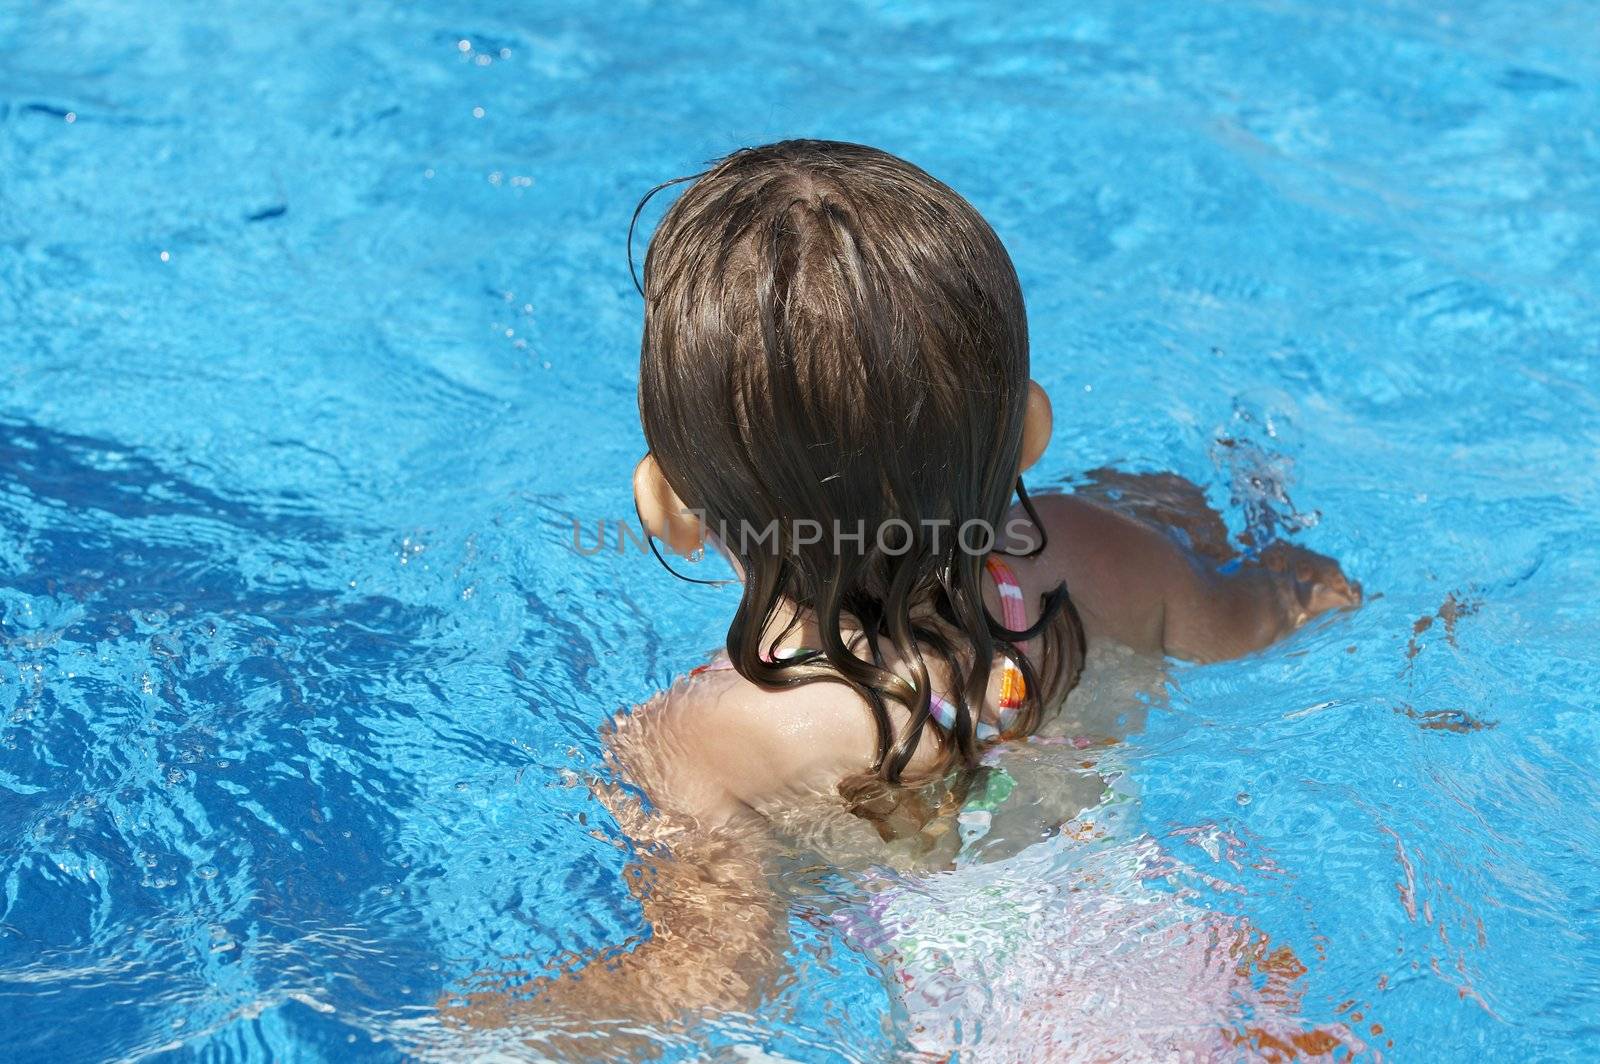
1308	584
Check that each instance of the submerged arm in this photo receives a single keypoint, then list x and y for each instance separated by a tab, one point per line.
718	930
1133	582
717	935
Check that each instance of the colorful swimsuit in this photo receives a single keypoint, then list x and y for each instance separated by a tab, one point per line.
1013	688
1075	948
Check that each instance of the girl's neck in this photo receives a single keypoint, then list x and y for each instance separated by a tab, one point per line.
793	627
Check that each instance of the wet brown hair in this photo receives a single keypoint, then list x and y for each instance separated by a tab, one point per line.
832	335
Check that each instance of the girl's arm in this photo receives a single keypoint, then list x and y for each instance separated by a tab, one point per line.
1133	582
717	934
717	929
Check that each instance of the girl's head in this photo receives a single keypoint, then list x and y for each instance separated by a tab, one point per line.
834	385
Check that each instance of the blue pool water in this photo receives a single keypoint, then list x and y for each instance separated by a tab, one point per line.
316	329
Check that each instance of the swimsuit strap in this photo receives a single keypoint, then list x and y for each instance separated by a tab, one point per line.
1014	615
719	664
1013	610
1013	687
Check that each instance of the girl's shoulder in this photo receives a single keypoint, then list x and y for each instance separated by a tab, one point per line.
717	747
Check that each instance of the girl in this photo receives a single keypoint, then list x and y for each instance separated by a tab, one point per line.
835	393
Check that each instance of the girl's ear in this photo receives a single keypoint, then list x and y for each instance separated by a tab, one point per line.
1037	425
663	513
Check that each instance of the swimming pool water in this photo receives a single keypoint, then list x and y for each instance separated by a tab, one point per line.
316	330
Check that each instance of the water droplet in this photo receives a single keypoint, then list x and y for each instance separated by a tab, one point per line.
166	256
206	871
477	112
463	45
1242	798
